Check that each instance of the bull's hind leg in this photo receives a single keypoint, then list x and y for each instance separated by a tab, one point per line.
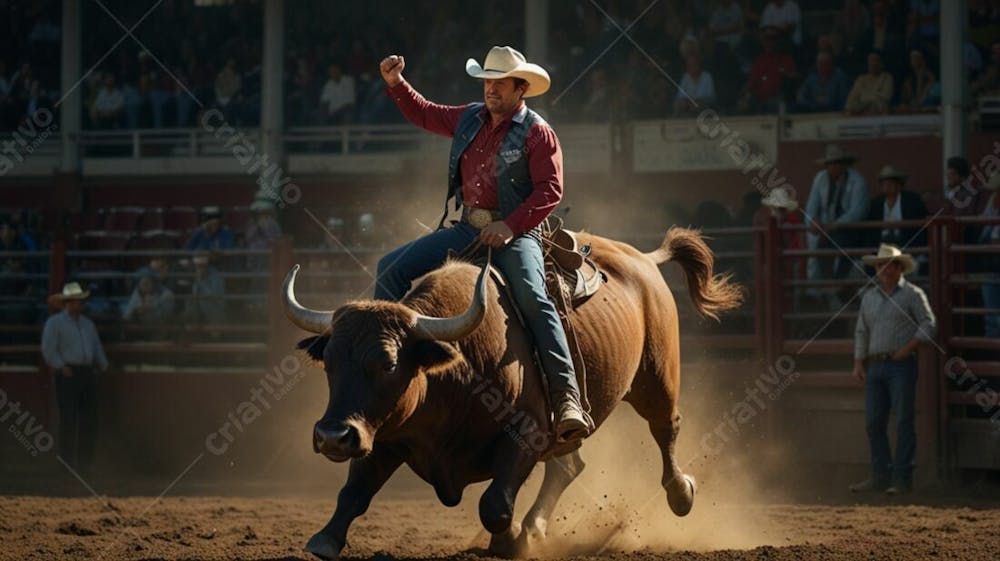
559	473
365	478
656	401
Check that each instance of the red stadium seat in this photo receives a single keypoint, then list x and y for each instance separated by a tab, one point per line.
152	220
123	219
180	218
103	241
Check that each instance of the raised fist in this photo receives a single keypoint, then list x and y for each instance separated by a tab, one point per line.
391	68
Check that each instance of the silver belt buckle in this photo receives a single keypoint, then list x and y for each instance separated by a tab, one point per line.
480	218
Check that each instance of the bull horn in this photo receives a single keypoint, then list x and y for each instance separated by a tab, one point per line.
455	328
310	320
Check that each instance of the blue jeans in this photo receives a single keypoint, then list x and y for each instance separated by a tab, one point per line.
522	265
891	385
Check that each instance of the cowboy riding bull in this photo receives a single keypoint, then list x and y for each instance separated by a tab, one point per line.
450	383
406	383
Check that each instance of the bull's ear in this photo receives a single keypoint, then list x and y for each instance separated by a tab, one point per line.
314	346
433	357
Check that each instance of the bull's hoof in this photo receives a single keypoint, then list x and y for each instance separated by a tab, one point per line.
506	544
682	501
324	546
532	538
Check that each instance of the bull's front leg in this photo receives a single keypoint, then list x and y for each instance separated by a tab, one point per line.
512	466
365	478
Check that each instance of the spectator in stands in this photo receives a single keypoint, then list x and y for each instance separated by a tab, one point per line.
338	97
838	195
726	24
926	15
35	100
14	283
920	89
961	197
264	228
228	85
769	74
696	89
872	91
893	205
849	26
109	105
784	15
151	302
158	268
781	206
8	112
18	220
895	319
990	234
988	82
211	235
206	304
825	89
72	349
884	39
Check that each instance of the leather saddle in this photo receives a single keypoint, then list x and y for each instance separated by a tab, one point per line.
571	276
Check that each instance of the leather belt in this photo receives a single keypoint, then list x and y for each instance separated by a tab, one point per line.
885	357
479	218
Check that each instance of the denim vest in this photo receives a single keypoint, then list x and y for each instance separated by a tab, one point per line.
513	177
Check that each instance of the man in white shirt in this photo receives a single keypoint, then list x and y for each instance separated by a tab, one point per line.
108	106
697	87
338	96
72	349
785	15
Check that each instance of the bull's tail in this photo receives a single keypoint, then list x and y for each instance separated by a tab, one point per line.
710	293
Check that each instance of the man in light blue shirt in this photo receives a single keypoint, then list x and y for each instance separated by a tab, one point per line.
72	348
839	195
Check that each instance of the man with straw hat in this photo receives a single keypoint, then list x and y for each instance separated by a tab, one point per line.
505	172
72	349
893	205
894	320
838	195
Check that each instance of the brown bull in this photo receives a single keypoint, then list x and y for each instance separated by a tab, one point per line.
449	386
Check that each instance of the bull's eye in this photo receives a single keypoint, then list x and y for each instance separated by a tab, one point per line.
389	367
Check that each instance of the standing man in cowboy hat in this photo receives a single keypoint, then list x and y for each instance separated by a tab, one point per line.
893	205
505	172
838	195
894	320
72	349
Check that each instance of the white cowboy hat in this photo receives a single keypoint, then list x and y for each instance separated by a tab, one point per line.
70	291
834	153
889	252
504	62
779	198
890	172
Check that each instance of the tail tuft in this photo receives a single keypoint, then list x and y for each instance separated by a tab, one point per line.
710	293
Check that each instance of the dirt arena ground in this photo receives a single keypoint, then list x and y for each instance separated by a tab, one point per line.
206	528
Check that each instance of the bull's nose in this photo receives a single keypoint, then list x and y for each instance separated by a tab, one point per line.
340	441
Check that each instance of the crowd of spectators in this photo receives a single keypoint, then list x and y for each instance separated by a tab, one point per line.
861	57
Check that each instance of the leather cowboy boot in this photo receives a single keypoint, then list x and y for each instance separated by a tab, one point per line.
572	422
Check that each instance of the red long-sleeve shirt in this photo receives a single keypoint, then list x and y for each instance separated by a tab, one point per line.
479	180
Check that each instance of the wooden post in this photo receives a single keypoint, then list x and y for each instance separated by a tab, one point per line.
771	294
280	332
